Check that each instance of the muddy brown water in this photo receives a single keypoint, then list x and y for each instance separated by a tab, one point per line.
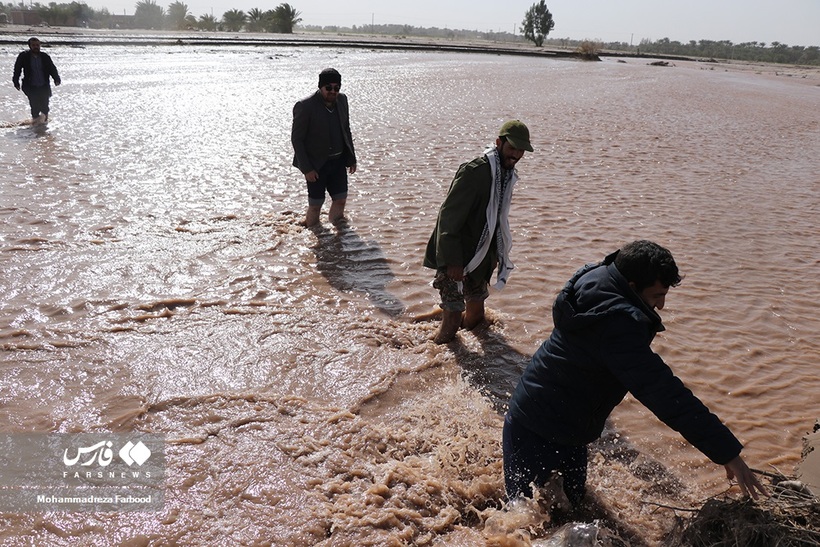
155	280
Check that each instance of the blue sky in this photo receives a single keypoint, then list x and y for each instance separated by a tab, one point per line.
793	22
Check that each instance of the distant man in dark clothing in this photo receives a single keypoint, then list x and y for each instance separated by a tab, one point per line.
604	321
36	67
323	146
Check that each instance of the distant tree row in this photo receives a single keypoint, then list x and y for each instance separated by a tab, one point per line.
285	18
403	31
282	19
746	51
702	49
709	49
150	15
73	14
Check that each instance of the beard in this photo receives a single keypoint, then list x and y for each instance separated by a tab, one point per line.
507	162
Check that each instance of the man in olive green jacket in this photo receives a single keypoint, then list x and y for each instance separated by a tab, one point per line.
472	234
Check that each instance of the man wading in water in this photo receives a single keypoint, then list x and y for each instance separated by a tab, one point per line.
604	322
472	234
36	67
323	146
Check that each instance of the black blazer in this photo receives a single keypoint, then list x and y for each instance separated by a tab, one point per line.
310	136
23	64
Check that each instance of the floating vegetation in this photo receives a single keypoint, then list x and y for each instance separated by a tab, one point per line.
790	517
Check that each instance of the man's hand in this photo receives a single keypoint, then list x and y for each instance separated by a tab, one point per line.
749	485
16	85
311	176
456	273
351	169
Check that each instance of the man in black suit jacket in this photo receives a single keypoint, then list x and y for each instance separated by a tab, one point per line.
36	67
323	146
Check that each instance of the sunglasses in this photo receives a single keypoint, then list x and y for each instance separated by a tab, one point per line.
333	87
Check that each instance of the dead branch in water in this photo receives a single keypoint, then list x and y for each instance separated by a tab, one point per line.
790	517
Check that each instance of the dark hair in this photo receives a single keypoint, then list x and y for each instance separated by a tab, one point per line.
643	263
32	39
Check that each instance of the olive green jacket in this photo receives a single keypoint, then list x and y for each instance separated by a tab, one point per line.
461	221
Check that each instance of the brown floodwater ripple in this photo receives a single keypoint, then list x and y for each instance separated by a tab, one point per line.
155	280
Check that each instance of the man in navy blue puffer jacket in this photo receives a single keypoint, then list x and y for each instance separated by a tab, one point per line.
599	349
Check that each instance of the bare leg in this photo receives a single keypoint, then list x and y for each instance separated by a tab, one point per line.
337	210
474	315
312	215
450	322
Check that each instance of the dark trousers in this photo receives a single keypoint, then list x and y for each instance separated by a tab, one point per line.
38	100
332	179
529	458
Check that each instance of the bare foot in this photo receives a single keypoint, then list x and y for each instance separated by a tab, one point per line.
312	216
429	316
450	323
474	315
337	211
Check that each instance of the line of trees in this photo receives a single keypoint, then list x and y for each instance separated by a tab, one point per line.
150	15
758	52
284	19
71	14
775	52
746	51
403	31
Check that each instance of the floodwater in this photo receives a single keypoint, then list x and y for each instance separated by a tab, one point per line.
155	280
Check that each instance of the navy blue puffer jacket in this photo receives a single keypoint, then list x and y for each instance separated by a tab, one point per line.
598	351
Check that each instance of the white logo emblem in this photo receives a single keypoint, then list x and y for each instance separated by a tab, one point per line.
134	453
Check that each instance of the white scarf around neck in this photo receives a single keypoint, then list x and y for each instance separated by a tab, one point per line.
502	221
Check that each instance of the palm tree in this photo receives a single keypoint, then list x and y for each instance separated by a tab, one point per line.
148	14
207	22
256	20
234	20
286	18
269	21
177	12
